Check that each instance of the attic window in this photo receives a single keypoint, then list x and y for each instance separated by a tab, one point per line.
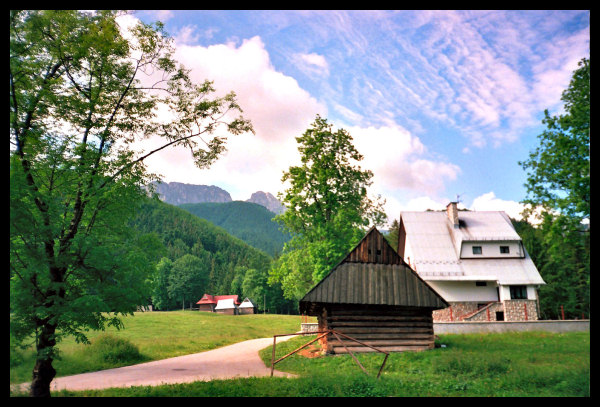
504	249
476	249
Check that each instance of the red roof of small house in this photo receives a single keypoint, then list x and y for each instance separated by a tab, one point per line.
213	299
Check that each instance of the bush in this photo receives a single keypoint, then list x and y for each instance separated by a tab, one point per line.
108	349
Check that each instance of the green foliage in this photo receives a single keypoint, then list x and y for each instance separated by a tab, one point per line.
188	277
559	169
110	351
80	96
328	207
248	221
225	259
558	183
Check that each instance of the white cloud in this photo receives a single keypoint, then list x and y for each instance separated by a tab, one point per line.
489	202
312	64
278	107
398	160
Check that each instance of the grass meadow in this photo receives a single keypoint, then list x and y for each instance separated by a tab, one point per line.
527	364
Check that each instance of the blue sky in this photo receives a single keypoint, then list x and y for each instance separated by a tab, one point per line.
440	103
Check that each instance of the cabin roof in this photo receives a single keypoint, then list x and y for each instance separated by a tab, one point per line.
373	274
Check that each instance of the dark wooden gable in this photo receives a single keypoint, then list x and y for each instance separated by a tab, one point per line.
373	248
372	274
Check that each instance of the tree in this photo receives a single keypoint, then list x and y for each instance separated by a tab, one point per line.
559	169
392	235
82	93
188	278
327	207
558	185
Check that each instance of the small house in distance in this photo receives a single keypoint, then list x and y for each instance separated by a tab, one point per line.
226	306
372	295
208	302
247	307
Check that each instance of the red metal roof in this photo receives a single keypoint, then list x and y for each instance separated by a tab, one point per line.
213	299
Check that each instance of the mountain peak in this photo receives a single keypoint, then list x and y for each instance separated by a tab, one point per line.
268	201
177	193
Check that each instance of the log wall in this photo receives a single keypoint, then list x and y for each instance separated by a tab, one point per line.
391	329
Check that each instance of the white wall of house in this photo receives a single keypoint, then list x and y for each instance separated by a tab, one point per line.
465	291
491	249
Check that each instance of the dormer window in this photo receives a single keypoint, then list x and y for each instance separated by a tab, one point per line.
476	249
504	250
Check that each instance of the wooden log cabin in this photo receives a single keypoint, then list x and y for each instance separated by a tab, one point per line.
372	295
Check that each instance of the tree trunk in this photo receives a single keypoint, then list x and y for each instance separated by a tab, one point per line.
43	372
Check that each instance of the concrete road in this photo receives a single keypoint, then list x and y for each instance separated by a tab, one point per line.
233	361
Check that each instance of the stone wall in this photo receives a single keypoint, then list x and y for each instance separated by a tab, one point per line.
489	311
459	310
514	310
520	310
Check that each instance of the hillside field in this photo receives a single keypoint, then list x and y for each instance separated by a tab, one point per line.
528	364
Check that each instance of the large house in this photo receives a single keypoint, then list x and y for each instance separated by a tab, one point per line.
475	260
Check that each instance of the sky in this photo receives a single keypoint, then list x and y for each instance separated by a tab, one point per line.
442	104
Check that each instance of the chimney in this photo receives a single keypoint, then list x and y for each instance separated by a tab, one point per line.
452	212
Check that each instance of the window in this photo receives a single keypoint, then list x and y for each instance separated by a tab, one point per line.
518	292
476	249
480	283
504	249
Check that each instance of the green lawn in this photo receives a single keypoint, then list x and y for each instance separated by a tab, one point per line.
529	364
159	335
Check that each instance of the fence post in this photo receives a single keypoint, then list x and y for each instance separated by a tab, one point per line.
525	308
488	314
562	312
451	320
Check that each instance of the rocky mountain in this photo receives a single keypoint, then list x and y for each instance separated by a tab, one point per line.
268	201
177	193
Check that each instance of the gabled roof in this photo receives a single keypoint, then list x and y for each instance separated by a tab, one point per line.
247	303
373	274
226	303
435	245
213	299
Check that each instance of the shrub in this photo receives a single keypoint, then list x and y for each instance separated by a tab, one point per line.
108	349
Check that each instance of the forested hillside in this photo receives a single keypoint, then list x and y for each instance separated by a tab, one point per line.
246	220
200	257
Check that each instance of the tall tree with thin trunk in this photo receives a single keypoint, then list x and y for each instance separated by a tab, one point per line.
83	92
328	207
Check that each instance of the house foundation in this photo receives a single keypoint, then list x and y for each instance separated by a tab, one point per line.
509	310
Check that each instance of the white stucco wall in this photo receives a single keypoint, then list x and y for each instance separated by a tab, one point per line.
464	291
491	249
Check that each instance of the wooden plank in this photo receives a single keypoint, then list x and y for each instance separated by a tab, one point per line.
425	338
365	349
383	330
376	343
399	324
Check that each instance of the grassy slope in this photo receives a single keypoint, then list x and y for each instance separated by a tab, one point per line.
160	335
512	364
532	364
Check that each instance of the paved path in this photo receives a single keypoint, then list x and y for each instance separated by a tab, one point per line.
238	360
